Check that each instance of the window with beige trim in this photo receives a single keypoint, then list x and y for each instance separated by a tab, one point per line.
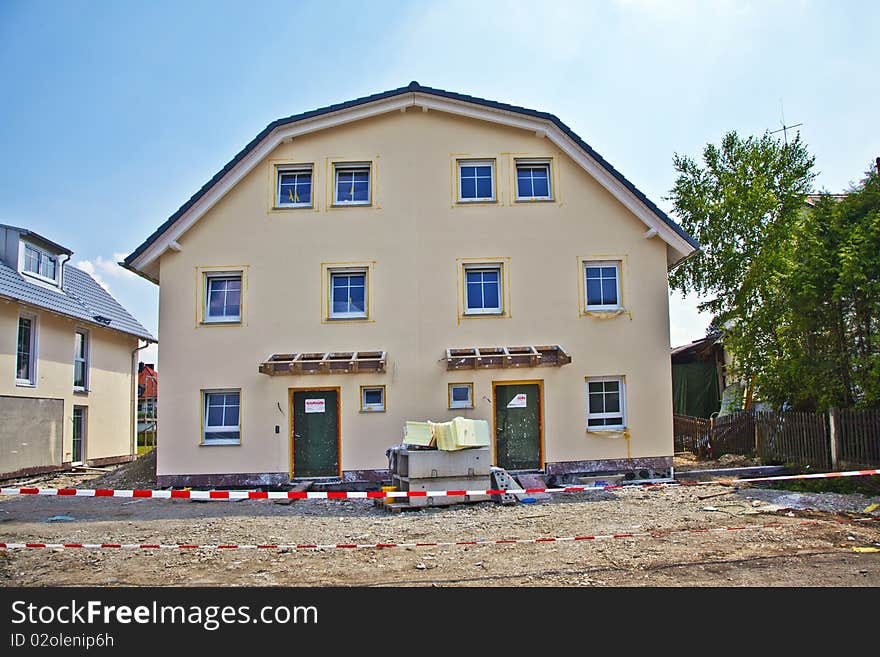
461	395
606	403
483	289
222	297
293	186
533	180
372	399
476	181
348	293
602	285
351	184
221	423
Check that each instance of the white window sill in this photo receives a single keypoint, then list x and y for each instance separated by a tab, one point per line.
25	384
483	313
230	320
534	199
337	317
456	408
477	200
373	410
350	204
293	206
219	443
604	309
81	391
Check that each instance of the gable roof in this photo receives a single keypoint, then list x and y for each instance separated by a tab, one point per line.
80	297
142	259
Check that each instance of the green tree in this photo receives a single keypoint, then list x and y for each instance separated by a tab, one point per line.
742	204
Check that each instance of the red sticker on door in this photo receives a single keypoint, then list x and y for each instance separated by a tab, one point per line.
315	405
519	401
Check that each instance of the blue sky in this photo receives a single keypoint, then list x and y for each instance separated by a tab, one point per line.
115	113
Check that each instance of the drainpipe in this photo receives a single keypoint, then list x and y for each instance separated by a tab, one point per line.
134	395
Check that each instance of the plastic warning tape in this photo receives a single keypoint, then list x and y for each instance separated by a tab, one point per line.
360	495
352	546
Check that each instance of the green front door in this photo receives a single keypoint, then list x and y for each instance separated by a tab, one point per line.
315	433
518	426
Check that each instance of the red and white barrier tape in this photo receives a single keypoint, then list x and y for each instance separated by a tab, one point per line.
355	495
351	546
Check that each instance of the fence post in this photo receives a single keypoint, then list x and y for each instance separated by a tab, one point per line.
833	424
757	442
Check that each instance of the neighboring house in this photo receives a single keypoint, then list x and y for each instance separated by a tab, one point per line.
699	372
148	391
416	254
67	358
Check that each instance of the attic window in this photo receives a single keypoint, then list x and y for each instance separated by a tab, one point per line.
37	262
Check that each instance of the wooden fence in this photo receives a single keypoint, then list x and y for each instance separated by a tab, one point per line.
797	438
841	439
858	438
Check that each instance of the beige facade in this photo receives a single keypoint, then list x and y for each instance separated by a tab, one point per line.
413	240
107	399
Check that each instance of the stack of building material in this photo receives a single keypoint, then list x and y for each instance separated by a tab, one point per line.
458	433
438	470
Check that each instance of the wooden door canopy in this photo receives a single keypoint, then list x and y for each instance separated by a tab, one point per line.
330	362
475	358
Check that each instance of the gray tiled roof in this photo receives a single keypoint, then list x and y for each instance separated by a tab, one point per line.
81	298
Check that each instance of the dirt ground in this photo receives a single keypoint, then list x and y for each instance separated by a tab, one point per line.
792	554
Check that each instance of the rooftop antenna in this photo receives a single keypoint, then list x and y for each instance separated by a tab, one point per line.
785	128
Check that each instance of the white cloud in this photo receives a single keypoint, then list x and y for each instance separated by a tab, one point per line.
686	322
101	266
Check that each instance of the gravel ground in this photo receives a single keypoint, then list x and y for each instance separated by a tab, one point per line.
793	554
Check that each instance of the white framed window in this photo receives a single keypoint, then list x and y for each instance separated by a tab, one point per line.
222	417
222	297
80	429
476	180
483	291
38	263
602	285
81	349
293	187
533	181
606	403
26	351
348	293
372	399
461	395
351	184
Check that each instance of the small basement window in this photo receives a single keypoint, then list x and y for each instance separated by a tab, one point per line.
352	185
606	403
461	395
372	399
294	187
533	181
476	180
222	417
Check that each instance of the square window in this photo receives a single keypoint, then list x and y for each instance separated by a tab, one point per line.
222	417
352	185
461	395
606	408
483	291
348	294
294	187
476	180
372	399
533	181
222	297
602	285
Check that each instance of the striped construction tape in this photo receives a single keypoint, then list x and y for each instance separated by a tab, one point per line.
356	495
352	546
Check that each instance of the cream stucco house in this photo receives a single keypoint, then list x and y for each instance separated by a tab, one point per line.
416	254
67	357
